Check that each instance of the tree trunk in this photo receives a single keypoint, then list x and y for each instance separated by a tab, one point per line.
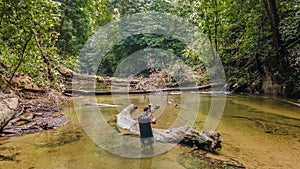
276	65
21	58
216	24
62	21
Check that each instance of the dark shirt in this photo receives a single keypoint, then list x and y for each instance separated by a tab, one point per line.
145	126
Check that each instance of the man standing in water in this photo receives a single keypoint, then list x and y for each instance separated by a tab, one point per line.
145	120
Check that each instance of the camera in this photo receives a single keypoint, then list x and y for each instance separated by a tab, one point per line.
156	106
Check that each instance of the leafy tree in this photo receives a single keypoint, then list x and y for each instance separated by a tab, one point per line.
74	28
257	40
28	36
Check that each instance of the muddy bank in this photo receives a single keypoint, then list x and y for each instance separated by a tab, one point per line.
26	107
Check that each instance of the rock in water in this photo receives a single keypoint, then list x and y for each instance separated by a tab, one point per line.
7	109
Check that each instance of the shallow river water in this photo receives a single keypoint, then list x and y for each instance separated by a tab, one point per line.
241	126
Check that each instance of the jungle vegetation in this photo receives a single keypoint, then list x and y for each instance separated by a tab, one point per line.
257	40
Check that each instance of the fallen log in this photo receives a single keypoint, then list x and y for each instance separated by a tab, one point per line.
181	89
187	135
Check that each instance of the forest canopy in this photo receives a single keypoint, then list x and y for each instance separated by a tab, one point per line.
257	40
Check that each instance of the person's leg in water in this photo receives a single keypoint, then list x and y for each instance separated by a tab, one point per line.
147	142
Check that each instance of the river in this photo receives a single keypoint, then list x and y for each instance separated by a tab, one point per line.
241	126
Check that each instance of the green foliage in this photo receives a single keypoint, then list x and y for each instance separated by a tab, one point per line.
241	33
37	36
24	25
74	29
136	43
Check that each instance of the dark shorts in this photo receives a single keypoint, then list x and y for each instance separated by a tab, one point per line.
146	135
147	141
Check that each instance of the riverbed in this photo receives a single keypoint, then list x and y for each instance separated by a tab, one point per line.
244	137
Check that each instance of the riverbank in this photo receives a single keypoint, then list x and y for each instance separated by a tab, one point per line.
27	108
32	112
